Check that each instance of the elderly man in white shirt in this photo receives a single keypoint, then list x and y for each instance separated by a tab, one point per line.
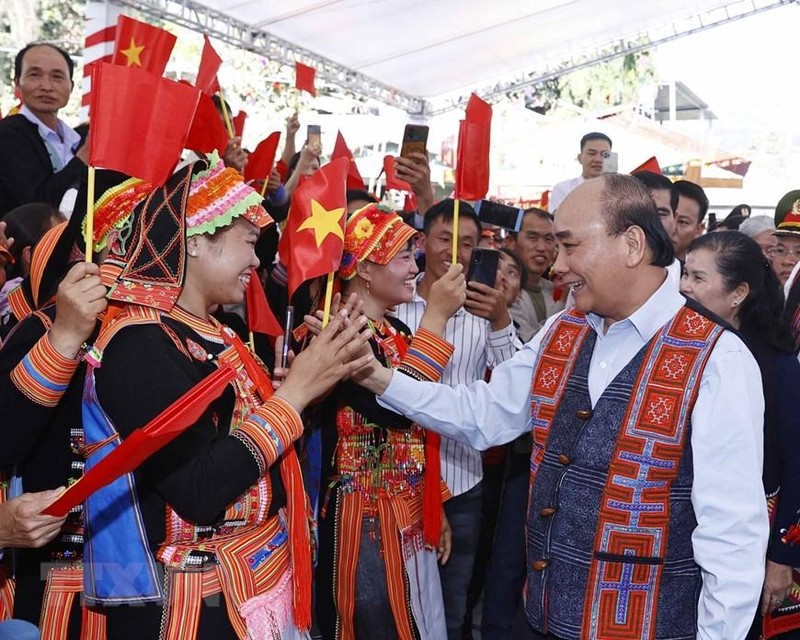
647	516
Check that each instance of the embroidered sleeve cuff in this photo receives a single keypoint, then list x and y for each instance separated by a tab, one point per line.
269	431
427	356
43	375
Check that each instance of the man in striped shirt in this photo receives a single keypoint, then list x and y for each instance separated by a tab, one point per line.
483	336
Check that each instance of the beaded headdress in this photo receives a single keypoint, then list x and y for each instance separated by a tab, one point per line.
218	196
373	233
114	208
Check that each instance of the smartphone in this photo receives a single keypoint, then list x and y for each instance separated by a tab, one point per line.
314	136
500	215
483	266
288	326
415	140
610	162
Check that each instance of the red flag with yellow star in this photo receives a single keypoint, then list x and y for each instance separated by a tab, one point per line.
312	243
142	45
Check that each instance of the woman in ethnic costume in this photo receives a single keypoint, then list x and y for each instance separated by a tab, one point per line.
208	538
380	524
727	272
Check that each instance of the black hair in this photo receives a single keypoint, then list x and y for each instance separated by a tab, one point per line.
731	223
595	135
523	272
694	192
626	203
656	182
539	213
739	259
29	46
444	210
26	224
360	194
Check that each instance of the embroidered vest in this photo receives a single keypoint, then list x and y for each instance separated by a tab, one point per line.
246	556
610	516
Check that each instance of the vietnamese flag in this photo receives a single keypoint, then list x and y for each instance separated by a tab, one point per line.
304	78
392	181
341	150
207	132
260	318
142	45
142	138
472	160
259	164
210	62
651	164
145	441
238	123
313	239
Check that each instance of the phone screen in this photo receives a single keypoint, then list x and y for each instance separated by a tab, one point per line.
314	136
500	215
483	266
415	140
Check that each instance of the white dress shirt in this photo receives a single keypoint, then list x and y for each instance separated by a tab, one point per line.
476	348
560	191
727	445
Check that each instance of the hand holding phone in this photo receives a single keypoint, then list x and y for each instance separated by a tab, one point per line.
483	266
314	136
415	140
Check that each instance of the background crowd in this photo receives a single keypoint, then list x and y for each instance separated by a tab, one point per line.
416	531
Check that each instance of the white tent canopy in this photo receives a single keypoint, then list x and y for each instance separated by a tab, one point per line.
439	49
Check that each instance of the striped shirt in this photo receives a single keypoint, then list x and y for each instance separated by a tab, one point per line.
477	348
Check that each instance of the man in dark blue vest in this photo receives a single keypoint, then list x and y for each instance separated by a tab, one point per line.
646	516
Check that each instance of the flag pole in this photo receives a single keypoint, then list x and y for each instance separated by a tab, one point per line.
252	340
264	186
455	231
88	238
326	311
225	115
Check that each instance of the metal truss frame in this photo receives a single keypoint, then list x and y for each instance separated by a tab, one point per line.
198	17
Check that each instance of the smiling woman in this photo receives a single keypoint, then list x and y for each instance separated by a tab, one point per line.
382	525
221	509
728	273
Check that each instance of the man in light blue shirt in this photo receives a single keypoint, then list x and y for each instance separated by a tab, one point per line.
612	254
41	158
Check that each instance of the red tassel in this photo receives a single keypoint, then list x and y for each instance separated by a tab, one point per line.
296	502
431	492
299	537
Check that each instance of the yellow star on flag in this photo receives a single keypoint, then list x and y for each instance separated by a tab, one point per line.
323	222
132	53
